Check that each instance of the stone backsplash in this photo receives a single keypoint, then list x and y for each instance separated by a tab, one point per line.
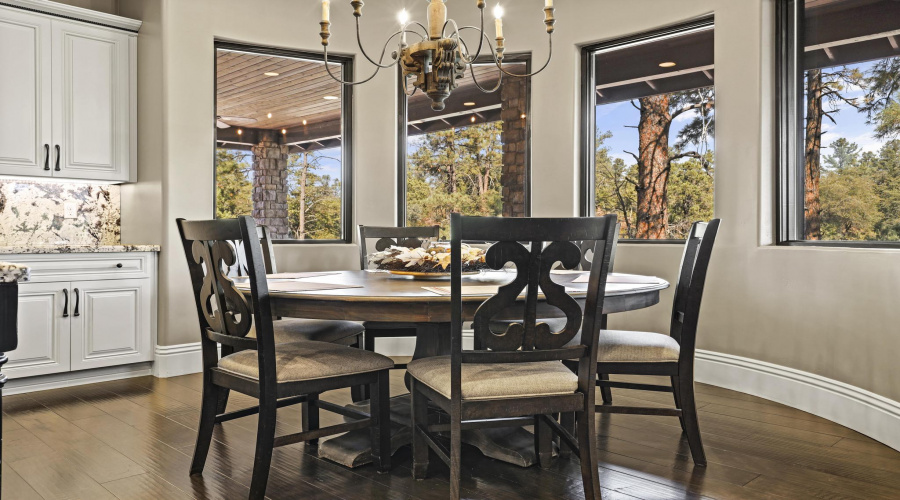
33	213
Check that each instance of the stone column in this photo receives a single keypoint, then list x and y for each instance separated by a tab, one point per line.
270	185
514	102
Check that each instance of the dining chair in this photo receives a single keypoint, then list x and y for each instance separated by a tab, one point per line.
517	376
277	375
294	329
647	353
384	238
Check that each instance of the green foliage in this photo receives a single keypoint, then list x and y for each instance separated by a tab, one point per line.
234	191
454	170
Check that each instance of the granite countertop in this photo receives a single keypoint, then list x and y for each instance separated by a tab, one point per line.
52	249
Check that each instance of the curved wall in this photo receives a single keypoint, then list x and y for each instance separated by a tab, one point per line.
826	312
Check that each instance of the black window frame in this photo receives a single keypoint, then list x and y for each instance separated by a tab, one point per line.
588	125
790	88
402	135
346	62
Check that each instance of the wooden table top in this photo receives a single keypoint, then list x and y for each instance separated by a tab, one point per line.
385	297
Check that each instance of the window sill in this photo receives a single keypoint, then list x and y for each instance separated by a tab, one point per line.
864	245
312	242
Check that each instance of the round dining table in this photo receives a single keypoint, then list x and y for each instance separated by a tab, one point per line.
384	297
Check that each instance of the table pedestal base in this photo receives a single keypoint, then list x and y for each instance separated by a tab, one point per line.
513	445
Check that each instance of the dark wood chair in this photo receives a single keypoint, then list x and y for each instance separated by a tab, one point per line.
277	375
648	353
517	378
384	238
289	330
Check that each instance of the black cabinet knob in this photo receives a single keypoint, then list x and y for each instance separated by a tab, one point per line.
119	265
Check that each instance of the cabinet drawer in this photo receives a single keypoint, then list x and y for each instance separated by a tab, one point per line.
70	267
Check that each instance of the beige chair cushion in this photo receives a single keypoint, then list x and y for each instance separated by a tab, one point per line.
496	380
308	361
618	346
288	330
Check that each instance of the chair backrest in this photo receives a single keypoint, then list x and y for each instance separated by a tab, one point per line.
587	251
531	340
386	237
225	314
265	240
689	288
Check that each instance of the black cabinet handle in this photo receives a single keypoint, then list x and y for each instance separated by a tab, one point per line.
119	265
76	304
57	157
46	157
66	303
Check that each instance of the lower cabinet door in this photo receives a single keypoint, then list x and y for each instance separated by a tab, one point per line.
110	323
43	330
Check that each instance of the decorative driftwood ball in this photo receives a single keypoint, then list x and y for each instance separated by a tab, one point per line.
435	259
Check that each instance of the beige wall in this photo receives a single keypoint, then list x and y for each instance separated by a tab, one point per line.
826	311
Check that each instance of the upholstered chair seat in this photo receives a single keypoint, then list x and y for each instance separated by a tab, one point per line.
289	330
617	346
496	380
308	361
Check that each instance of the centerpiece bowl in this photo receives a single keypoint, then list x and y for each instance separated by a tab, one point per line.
431	263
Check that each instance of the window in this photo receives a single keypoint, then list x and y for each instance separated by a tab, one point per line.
648	127
839	123
473	156
282	142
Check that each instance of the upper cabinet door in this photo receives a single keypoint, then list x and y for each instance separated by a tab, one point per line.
91	103
25	130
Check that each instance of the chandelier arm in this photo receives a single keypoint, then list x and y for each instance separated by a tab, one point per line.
363	51
341	81
480	40
475	80
549	56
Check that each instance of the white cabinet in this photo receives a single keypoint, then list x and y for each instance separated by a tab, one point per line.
67	98
43	331
103	314
25	76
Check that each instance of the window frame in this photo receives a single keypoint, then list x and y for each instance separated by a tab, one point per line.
789	90
402	135
588	125
346	63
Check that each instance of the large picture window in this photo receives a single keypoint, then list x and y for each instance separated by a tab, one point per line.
648	148
282	136
839	83
472	157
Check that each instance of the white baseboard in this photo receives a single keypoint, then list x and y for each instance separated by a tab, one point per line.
868	413
71	379
175	360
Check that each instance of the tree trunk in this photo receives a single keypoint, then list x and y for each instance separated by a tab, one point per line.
814	115
304	169
653	167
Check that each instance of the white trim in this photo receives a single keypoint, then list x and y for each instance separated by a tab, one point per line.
76	13
175	360
866	412
71	379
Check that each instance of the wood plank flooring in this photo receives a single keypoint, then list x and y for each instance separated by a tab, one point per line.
133	439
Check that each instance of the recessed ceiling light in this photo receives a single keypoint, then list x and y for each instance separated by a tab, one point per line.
284	131
304	122
239	131
271	73
269	115
470	103
473	119
667	64
331	98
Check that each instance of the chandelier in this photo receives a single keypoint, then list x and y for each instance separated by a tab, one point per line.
439	57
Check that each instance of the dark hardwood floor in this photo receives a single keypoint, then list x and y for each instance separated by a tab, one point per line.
132	439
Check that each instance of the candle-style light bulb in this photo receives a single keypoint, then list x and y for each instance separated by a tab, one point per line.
403	17
548	4
498	20
326	10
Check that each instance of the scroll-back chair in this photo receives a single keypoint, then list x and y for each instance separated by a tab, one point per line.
384	238
517	376
648	353
277	375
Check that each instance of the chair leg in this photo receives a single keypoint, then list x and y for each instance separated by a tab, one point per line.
358	393
543	442
691	424
455	455
677	397
380	411
208	412
567	421
369	345
587	444
265	443
310	416
605	392
419	418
